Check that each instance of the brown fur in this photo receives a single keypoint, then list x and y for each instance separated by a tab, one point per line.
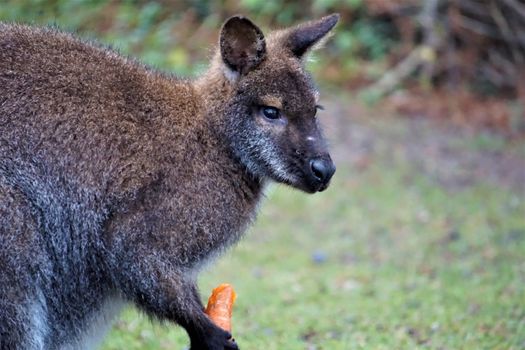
117	181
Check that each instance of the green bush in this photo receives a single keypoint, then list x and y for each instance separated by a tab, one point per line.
176	36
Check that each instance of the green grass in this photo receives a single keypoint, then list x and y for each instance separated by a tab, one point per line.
385	259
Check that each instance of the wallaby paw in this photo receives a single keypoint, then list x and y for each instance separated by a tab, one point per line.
218	341
231	344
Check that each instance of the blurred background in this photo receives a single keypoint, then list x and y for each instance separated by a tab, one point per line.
420	241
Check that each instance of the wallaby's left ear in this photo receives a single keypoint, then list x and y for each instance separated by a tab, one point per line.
304	36
242	44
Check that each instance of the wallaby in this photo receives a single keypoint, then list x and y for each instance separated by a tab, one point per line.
117	182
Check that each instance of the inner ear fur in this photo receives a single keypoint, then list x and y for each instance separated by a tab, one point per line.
301	38
242	44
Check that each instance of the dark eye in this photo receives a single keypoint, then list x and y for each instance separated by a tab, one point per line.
271	113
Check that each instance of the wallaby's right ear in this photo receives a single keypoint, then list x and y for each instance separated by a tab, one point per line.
242	44
303	37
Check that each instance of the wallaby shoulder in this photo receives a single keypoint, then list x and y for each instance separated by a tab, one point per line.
85	105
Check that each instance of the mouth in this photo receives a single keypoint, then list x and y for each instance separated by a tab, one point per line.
308	184
323	187
316	186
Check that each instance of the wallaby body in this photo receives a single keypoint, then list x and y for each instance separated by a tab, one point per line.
117	182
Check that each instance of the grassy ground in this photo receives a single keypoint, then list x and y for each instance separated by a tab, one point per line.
419	243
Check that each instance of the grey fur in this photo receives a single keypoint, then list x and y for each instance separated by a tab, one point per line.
118	182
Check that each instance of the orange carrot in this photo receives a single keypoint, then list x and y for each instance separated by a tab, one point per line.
220	306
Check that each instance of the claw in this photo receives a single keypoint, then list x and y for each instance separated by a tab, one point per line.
231	344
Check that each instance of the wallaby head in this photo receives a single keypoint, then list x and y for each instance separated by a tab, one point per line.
271	110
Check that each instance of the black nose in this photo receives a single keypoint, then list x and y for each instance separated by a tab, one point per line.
322	169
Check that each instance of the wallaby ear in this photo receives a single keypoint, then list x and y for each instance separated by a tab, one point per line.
242	44
304	36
